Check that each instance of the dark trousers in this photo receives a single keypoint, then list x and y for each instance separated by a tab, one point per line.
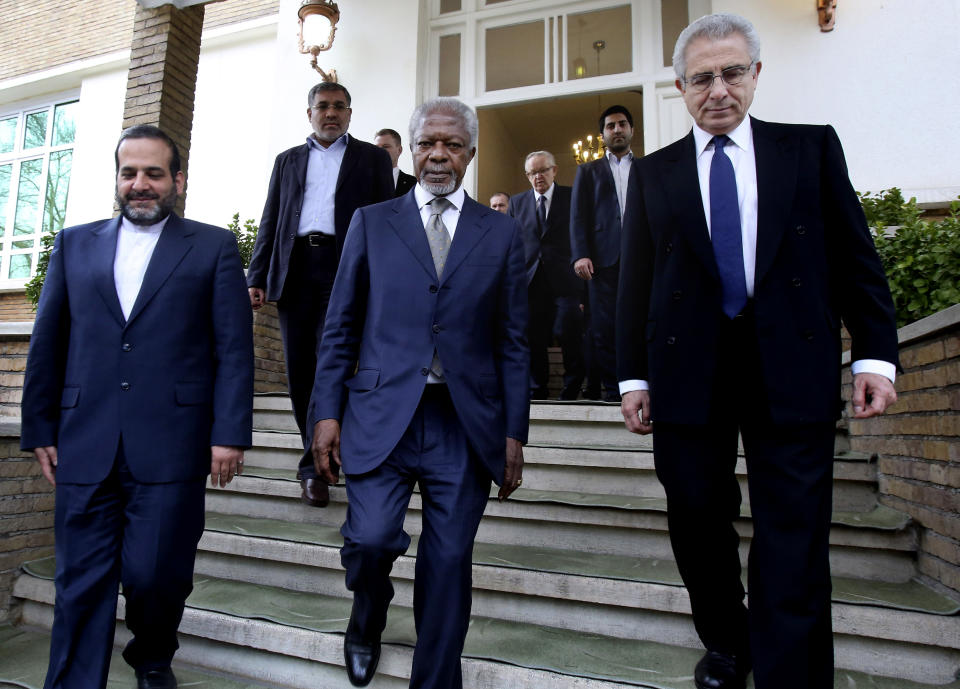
554	315
143	535
787	629
602	294
301	311
454	487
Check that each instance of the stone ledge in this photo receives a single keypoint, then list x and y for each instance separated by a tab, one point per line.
924	328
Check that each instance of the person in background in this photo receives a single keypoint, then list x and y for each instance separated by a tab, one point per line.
389	141
500	202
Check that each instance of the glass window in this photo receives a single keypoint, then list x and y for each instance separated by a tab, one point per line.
28	197
674	17
449	65
8	134
64	127
19	267
35	131
515	55
5	172
58	183
449	6
599	43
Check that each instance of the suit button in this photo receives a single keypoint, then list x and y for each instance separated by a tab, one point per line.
126	347
124	386
433	289
669	247
436	328
293	236
671	340
796	282
677	294
808	334
424	371
801	229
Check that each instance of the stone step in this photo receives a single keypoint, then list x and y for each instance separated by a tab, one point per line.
878	545
295	624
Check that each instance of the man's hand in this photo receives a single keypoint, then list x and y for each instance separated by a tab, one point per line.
872	394
583	268
635	407
47	456
326	449
513	471
225	463
257	297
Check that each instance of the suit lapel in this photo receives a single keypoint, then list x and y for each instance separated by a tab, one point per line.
104	252
682	187
469	232
408	225
776	185
172	246
350	158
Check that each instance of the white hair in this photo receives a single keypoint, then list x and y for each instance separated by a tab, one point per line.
715	27
547	154
451	106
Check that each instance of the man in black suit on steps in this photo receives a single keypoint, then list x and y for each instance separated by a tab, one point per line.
747	249
314	190
389	140
553	290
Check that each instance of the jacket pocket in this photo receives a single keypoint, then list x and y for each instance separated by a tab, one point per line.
70	396
188	394
364	380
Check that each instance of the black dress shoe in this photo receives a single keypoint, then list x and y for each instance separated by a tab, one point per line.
156	679
361	659
721	671
315	492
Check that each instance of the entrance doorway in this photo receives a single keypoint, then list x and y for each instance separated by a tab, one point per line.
509	132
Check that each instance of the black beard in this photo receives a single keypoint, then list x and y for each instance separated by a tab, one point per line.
143	216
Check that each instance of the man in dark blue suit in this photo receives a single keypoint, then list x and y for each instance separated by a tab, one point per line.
553	289
422	378
597	215
747	250
139	383
314	190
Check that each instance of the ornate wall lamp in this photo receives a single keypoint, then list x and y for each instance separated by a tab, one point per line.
827	14
318	24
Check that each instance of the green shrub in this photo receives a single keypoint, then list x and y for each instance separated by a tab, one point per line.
921	259
246	237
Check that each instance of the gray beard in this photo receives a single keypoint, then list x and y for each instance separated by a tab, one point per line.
143	216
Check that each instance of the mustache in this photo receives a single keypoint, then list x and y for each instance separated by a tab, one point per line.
436	170
142	195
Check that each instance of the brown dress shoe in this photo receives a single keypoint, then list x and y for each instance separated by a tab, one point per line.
315	493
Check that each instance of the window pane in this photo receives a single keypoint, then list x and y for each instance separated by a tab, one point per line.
5	172
19	266
28	197
515	55
599	43
449	65
674	18
8	134
22	244
64	126
58	184
35	132
449	6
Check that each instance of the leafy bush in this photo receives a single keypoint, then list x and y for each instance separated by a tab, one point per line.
246	237
921	259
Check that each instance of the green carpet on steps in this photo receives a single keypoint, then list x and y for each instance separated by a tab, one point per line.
24	656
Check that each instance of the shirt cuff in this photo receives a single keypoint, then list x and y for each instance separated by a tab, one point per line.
633	385
884	368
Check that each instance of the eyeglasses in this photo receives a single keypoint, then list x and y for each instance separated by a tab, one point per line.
323	107
541	171
731	77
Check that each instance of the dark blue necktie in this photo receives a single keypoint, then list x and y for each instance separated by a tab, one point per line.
542	213
725	229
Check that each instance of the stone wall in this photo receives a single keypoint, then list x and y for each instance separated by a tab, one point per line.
14	343
270	372
14	306
917	442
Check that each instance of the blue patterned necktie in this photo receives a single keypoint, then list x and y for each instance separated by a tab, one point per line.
725	229
542	214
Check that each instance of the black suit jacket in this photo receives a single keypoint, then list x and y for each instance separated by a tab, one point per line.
405	183
365	177
551	252
815	266
595	219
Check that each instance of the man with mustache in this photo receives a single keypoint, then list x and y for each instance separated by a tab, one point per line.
139	383
313	192
422	379
597	214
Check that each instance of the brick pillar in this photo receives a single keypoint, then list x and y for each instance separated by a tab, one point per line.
162	80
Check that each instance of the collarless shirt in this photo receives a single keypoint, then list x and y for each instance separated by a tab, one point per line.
620	167
135	245
547	197
320	186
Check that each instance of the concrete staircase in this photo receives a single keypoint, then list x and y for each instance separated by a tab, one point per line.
574	582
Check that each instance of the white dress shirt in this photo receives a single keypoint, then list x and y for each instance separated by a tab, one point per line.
742	156
620	167
135	245
547	199
320	186
396	176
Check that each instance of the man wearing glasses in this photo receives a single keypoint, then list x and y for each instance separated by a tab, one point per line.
314	190
748	249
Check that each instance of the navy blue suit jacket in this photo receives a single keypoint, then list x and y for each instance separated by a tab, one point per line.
365	177
551	252
388	313
170	381
595	219
815	266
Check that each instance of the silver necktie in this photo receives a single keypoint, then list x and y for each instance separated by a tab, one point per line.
439	240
